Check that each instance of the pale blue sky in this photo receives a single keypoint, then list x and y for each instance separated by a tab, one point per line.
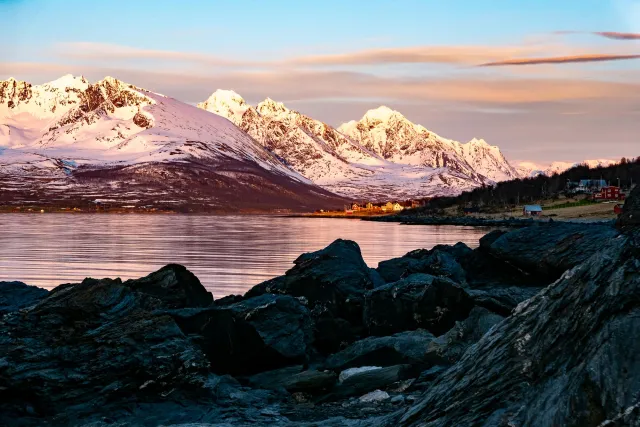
335	59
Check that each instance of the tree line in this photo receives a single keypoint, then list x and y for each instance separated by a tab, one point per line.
529	190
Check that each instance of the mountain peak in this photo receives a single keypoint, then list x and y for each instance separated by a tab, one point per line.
382	113
269	106
226	96
69	81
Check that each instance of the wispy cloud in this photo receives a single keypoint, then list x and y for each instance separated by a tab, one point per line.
618	36
561	60
466	55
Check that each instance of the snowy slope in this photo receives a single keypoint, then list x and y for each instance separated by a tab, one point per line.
391	135
113	125
530	169
336	161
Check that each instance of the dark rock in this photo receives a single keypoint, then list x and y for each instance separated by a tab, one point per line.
630	216
364	382
332	281
502	300
451	346
87	344
565	357
427	377
253	335
332	333
548	250
294	379
176	286
403	348
228	300
17	295
418	301
440	261
487	240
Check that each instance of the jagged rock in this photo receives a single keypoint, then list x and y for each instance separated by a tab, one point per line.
502	300
17	295
440	261
451	346
253	335
369	380
630	216
175	286
418	301
374	396
490	237
294	379
403	348
548	250
564	357
85	345
332	281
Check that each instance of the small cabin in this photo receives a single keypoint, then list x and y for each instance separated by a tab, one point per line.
532	210
397	207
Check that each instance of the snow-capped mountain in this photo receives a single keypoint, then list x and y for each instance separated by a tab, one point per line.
392	136
110	139
402	161
530	169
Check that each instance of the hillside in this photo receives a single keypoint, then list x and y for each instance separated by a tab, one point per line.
508	194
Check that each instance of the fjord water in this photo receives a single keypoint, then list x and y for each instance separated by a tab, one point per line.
229	254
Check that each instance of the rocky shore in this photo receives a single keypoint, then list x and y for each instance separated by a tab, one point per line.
471	221
537	326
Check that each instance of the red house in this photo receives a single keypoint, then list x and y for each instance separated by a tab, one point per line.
609	193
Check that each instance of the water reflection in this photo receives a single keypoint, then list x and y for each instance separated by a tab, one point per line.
228	253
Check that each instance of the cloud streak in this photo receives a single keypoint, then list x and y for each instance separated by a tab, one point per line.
597	57
618	36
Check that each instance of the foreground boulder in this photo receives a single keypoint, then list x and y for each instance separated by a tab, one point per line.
418	301
565	357
99	341
408	348
17	295
439	261
548	250
630	217
332	281
253	335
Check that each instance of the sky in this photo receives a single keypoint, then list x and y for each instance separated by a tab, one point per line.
545	80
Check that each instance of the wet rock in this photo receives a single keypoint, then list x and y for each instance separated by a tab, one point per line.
332	281
87	344
403	348
548	250
440	261
295	380
253	335
368	380
17	295
564	357
418	301
630	216
353	371
374	396
451	346
175	285
490	237
502	300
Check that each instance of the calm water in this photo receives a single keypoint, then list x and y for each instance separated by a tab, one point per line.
229	254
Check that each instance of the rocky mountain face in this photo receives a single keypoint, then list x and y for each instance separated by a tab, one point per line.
535	327
389	134
69	142
392	158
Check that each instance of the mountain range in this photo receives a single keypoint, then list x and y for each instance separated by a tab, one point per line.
71	140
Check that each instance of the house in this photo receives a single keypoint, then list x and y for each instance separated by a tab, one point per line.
397	207
387	207
609	193
617	209
532	210
355	207
589	185
369	206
